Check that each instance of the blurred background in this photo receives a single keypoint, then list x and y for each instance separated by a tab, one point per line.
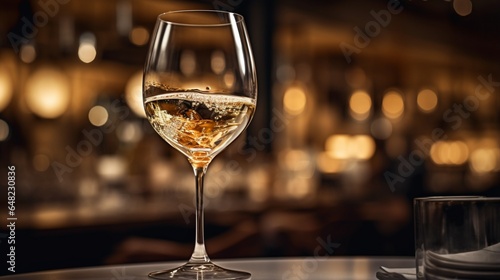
362	107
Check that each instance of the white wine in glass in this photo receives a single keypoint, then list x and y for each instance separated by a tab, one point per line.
200	93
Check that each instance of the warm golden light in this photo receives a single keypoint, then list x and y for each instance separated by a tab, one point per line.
436	152
427	100
47	93
139	36
337	146
484	160
300	167
4	130
258	181
218	62
449	152
133	94
341	146
458	152
86	50
362	147
328	164
298	187
6	88
98	115
393	105
111	167
360	105
297	160
87	53
27	54
294	100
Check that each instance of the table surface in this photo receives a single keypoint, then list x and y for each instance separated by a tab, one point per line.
303	268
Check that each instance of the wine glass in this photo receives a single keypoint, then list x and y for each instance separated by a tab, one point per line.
200	93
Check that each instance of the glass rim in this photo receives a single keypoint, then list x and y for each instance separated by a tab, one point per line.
444	199
163	18
451	197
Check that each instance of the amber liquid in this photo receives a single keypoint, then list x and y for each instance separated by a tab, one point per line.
200	125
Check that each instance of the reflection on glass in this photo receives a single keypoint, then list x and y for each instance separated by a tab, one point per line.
218	62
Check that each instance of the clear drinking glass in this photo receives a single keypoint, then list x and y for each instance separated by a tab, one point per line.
200	93
420	222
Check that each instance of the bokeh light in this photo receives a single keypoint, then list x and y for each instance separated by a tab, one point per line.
484	160
427	100
341	146
258	181
327	164
449	152
364	147
87	53
86	50
133	94
4	130
27	54
218	62
47	93
229	79
462	7
338	146
188	62
360	104
298	160
139	36
393	105
381	128
98	115
129	132
294	100
111	167
6	88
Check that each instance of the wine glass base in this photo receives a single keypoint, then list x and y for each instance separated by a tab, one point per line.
203	271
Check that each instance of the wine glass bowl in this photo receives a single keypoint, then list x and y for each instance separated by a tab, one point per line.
198	124
200	93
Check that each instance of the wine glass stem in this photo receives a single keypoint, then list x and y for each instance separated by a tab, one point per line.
199	254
